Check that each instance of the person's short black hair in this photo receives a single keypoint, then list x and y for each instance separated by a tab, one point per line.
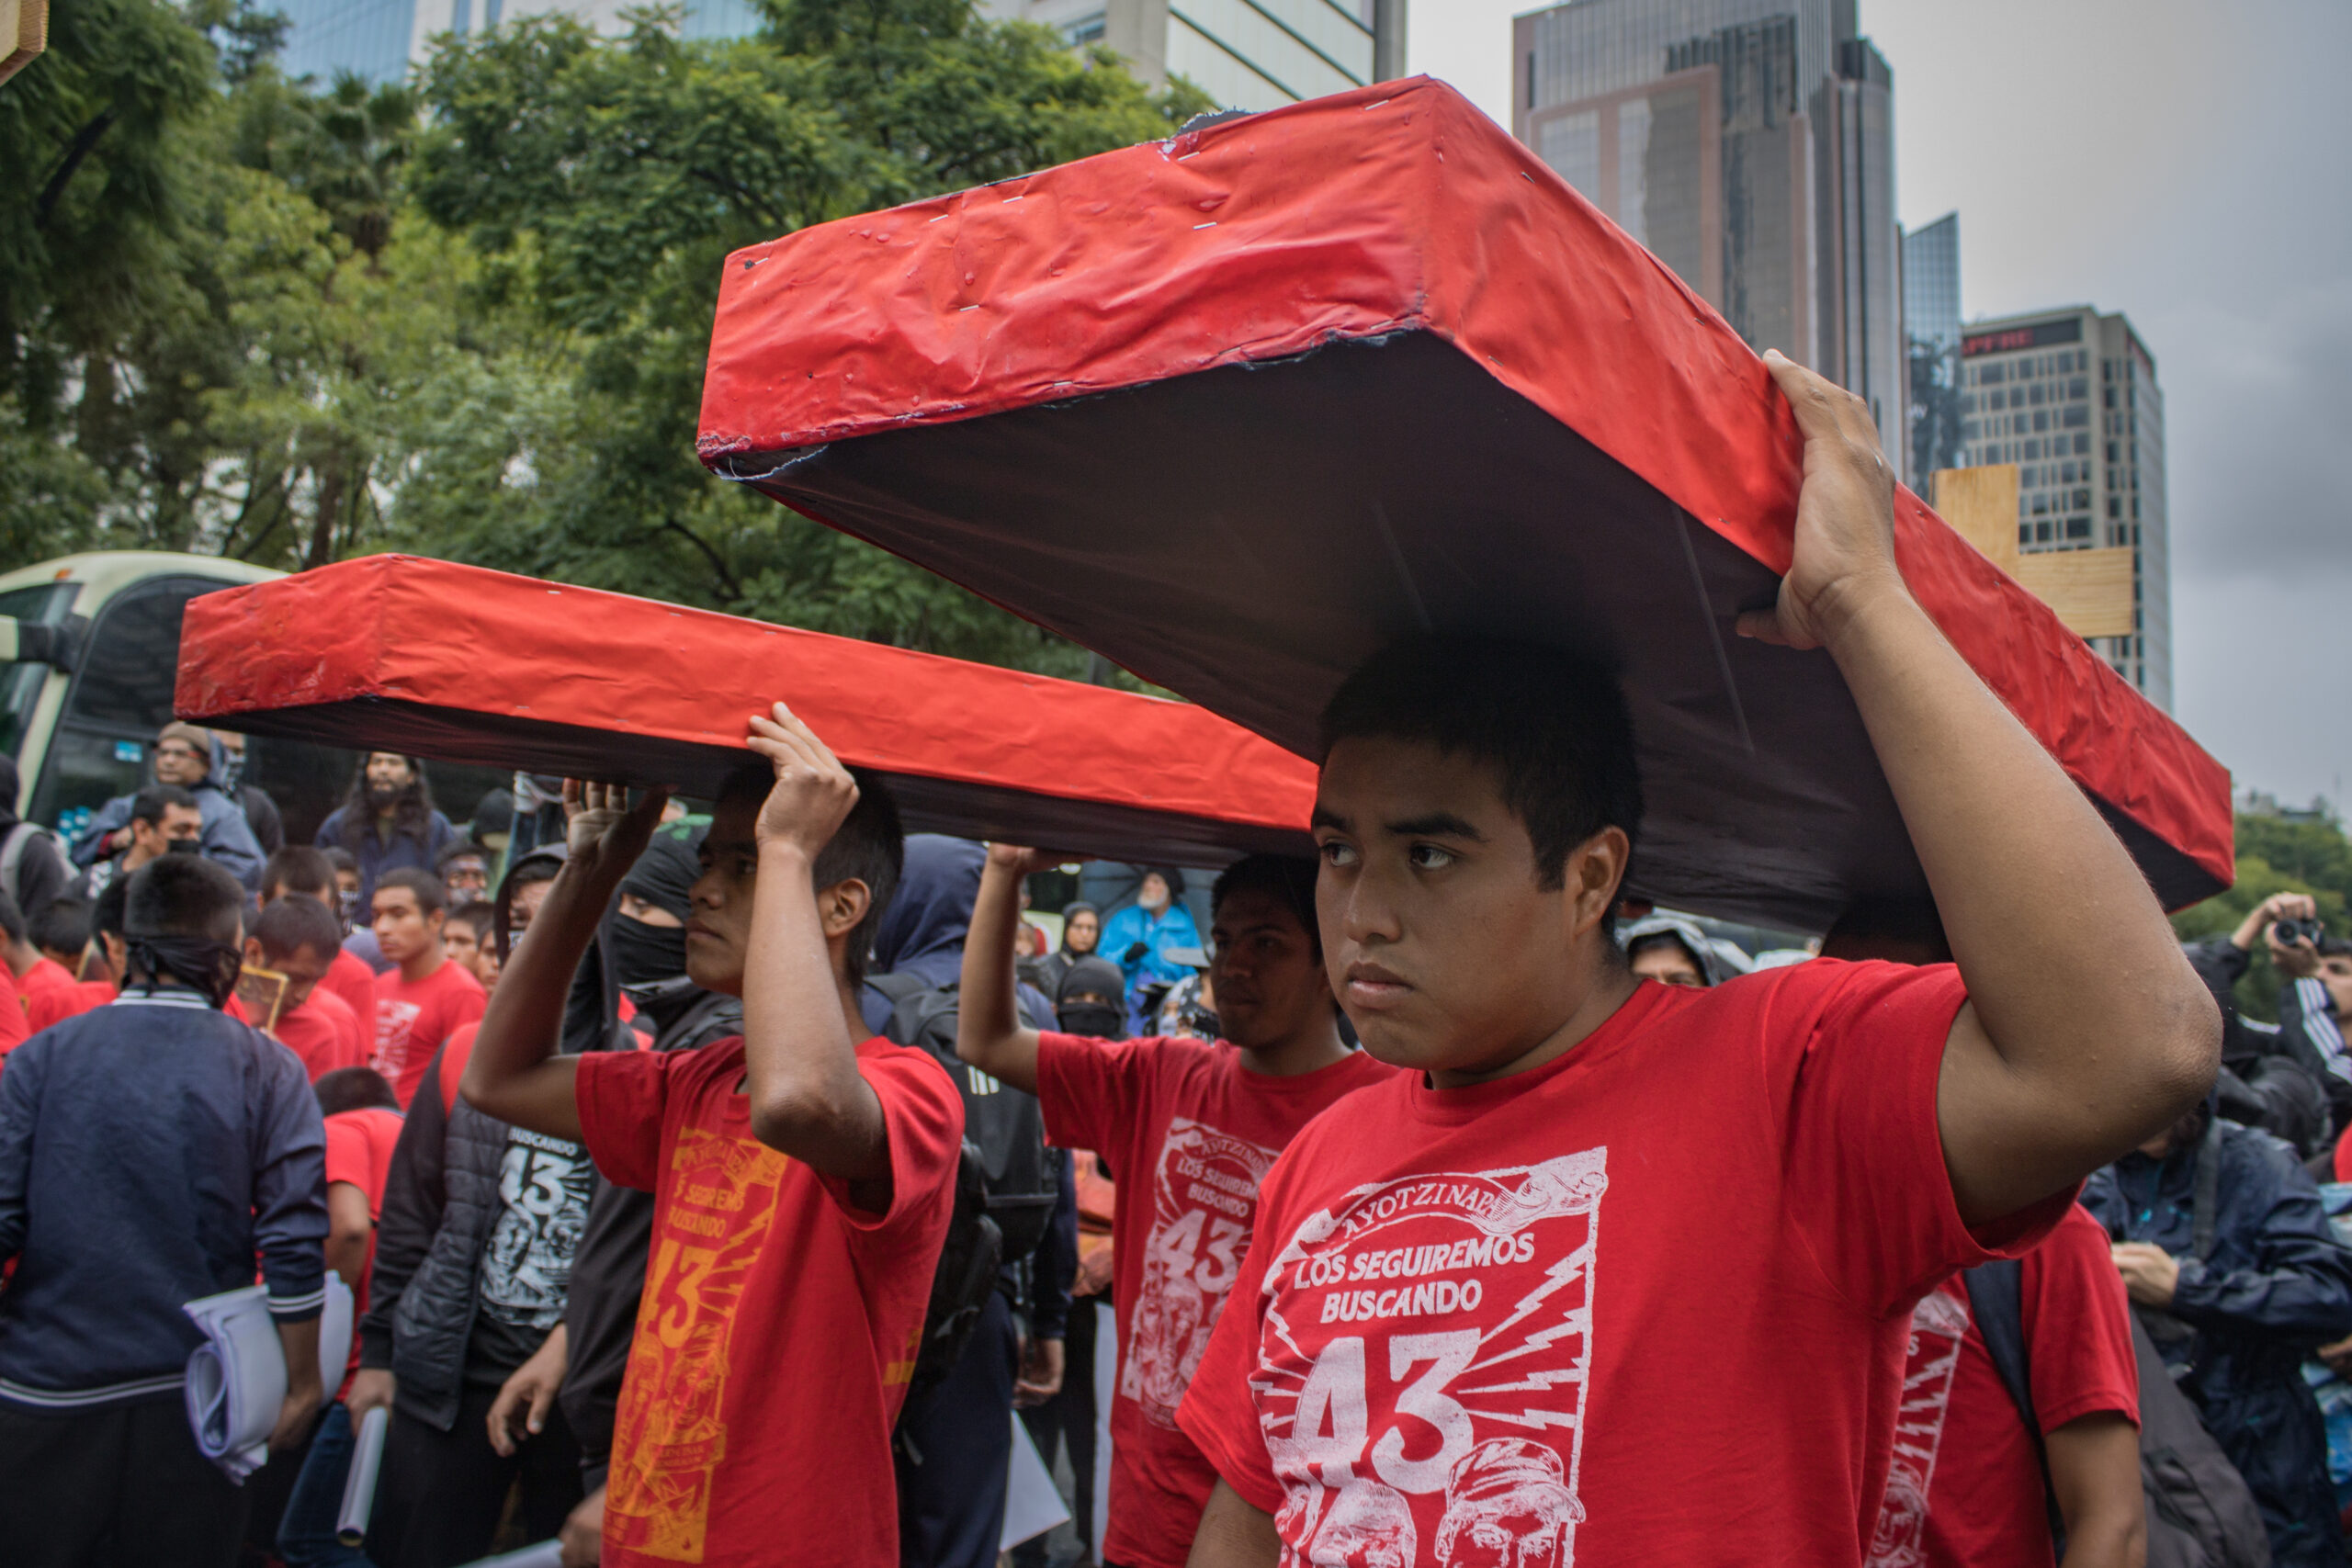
298	868
288	925
12	919
339	859
353	1089
430	895
183	896
148	805
1904	930
481	917
107	915
1553	724
462	849
870	845
63	927
1288	880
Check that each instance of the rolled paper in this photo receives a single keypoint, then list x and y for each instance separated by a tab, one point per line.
359	1486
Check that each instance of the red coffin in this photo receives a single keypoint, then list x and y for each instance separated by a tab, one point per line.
470	666
1236	408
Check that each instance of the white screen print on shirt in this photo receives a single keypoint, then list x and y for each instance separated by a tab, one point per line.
395	1021
1422	1369
1204	1201
527	1263
1939	1324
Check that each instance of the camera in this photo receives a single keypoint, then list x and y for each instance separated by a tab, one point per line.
2289	932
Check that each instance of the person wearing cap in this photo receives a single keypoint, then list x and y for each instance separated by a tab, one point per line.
182	759
1140	937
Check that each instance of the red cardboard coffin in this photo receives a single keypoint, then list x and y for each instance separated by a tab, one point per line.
453	662
1236	408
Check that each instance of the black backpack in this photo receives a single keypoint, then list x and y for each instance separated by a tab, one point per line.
1006	1187
2201	1514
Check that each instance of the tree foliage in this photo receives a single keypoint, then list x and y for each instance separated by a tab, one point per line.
2276	855
467	316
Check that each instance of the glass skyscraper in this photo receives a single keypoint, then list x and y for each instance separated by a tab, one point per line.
1750	145
1245	54
380	40
1931	330
2071	397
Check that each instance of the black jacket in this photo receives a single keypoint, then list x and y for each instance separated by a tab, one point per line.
608	1269
440	1200
2276	1285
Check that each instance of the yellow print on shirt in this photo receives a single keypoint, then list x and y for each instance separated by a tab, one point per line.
670	1434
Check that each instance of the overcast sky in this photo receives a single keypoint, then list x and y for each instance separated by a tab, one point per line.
2185	162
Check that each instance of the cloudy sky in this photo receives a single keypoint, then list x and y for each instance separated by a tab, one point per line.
2183	162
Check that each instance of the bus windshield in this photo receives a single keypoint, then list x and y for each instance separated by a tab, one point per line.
43	603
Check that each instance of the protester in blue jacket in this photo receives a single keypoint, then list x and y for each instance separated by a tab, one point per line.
184	757
150	1151
1139	938
2238	1290
388	821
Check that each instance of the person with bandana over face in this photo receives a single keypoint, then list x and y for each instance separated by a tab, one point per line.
150	1151
646	941
184	760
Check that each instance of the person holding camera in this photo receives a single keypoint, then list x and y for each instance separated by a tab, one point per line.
2314	995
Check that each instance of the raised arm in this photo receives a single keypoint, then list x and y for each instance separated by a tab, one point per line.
800	1028
2086	1030
514	1073
989	1031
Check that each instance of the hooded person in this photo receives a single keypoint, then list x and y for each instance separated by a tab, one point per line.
1090	999
182	756
1673	951
646	944
1081	933
1143	938
32	868
954	1447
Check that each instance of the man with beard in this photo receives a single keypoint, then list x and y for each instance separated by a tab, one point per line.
386	821
1189	1125
182	760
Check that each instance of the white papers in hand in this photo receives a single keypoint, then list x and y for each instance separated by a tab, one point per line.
1032	1506
236	1379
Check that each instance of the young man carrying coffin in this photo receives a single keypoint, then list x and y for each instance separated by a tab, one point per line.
803	1175
1623	1272
1189	1125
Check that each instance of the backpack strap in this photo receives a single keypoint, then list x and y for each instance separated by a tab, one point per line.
905	994
1996	1304
12	854
2207	1212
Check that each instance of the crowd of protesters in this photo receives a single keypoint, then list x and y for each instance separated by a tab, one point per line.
721	1182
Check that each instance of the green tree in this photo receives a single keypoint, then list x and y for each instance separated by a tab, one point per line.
2276	856
602	184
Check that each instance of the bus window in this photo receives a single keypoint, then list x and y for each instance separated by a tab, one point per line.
121	696
21	681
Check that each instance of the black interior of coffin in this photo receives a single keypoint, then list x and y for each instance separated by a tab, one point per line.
1246	535
927	805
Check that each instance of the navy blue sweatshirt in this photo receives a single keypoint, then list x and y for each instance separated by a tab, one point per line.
149	1151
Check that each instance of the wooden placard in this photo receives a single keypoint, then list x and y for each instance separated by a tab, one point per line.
2090	590
23	30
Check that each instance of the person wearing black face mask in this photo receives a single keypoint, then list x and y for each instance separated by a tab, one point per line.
646	940
1089	1002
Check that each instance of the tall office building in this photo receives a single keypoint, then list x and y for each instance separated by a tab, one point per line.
1750	145
1931	341
1247	54
2071	397
379	39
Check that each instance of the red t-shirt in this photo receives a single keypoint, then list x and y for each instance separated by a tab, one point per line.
349	977
14	1027
1965	1490
1436	1352
47	975
323	1032
360	1151
413	1022
779	1324
1190	1133
57	1005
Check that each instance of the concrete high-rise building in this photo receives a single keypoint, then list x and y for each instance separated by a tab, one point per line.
1750	145
2071	397
1247	54
1931	341
379	39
